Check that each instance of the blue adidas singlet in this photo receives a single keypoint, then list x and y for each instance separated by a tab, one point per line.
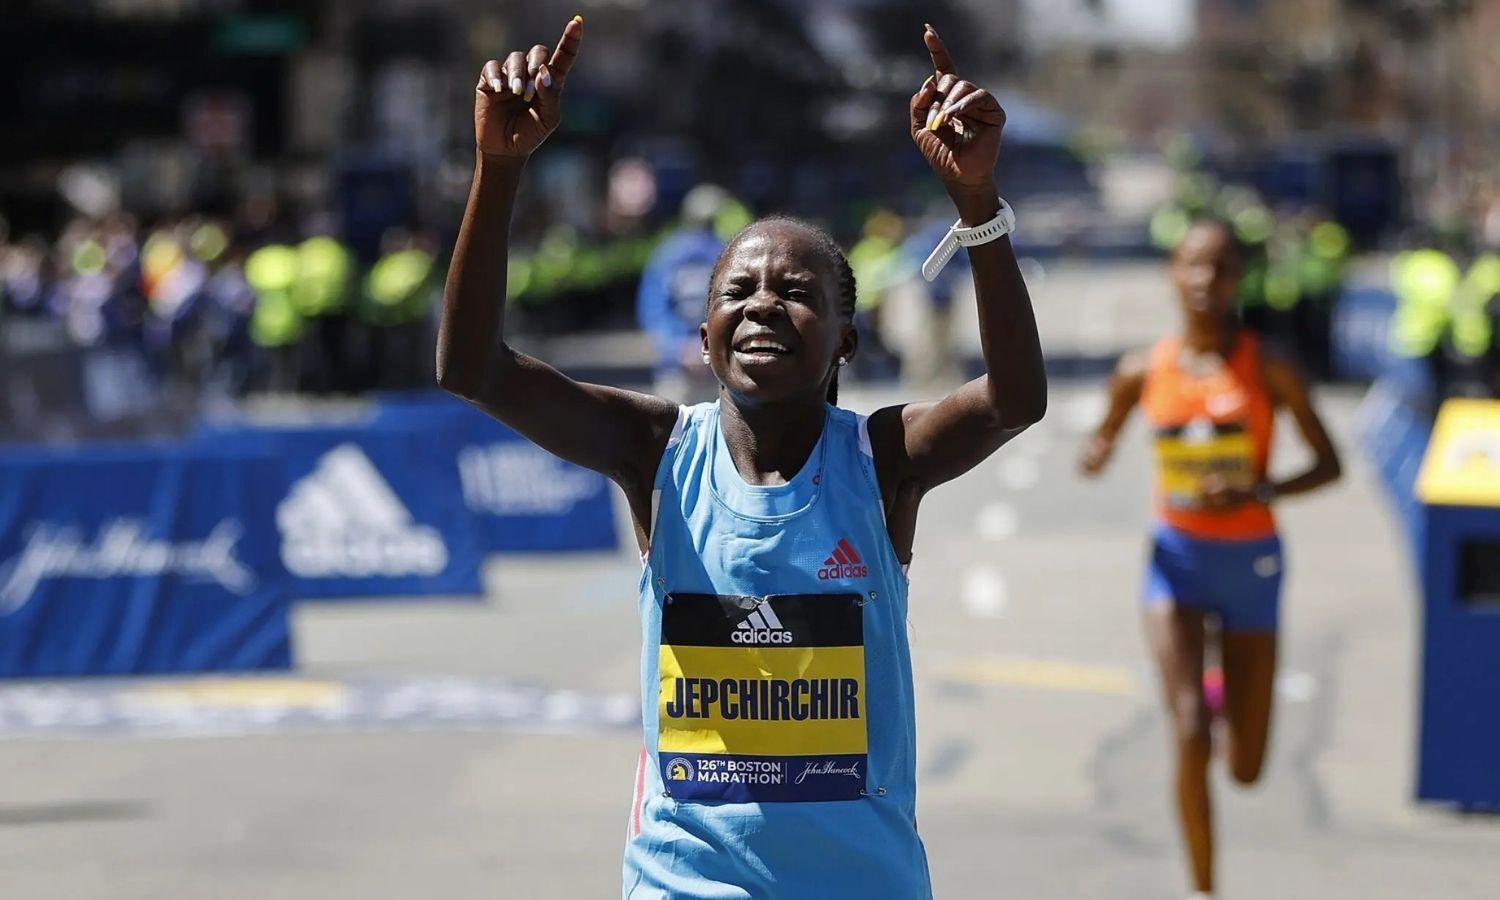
779	755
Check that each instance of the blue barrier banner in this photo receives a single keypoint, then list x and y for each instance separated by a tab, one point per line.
1394	428
1361	332
525	499
138	560
366	510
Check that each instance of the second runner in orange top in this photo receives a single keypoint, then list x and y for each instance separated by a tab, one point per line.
1210	393
1212	417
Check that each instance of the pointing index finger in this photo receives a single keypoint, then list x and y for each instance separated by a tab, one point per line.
939	53
567	48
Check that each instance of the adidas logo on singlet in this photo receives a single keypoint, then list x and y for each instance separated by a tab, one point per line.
844	563
761	627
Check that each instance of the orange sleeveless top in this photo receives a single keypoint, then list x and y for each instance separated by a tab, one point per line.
1211	423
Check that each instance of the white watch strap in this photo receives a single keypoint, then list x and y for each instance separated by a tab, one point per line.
940	256
1002	224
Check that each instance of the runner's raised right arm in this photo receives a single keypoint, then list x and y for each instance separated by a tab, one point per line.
615	432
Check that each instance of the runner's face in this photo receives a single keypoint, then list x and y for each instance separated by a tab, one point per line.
1205	269
773	325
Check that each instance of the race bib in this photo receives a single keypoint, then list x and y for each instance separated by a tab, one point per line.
1188	454
762	700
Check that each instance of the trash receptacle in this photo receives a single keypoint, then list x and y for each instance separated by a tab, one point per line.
1459	487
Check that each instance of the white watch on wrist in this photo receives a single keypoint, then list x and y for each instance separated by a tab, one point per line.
1002	224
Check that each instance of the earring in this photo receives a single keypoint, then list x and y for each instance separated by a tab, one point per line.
705	359
843	360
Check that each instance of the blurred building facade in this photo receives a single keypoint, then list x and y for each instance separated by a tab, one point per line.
194	103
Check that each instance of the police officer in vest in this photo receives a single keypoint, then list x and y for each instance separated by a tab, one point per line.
396	306
1322	251
673	292
1427	281
276	324
1475	312
321	292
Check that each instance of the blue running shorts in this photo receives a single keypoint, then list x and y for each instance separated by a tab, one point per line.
1237	581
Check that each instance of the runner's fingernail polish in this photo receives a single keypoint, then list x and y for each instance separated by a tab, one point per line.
516	86
546	77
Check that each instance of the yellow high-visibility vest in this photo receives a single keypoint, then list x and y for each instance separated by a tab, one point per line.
1472	329
324	268
1424	281
398	287
271	272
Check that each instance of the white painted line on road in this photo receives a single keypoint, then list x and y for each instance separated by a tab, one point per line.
984	593
1295	686
1052	674
1019	472
997	521
1091	678
1097	331
1083	412
1034	274
220	706
1037	440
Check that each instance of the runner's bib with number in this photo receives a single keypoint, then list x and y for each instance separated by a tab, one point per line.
762	699
1190	454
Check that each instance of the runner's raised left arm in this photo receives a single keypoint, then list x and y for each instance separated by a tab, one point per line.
957	126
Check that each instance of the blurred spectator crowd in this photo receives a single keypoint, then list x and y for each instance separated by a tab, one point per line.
217	307
231	306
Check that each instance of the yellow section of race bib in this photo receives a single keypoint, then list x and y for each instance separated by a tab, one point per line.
775	701
1187	456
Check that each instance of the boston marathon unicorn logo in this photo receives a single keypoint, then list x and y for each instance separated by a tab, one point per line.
679	769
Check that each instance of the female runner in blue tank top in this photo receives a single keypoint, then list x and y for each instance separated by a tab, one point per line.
775	675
